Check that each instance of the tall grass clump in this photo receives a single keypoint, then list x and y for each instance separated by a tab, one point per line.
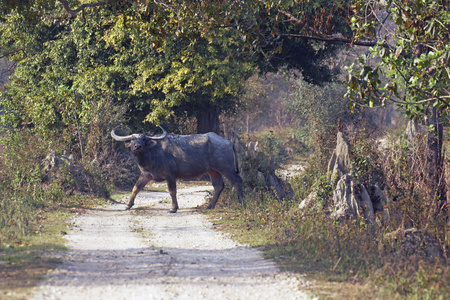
22	193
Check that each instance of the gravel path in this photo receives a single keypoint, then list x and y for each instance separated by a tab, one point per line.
146	253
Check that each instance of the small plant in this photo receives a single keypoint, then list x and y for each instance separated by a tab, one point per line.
366	160
323	189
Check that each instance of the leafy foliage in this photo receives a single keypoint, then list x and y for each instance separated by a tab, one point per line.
412	63
276	34
265	158
67	66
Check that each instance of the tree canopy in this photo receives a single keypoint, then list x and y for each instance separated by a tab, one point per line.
411	55
66	65
158	58
409	65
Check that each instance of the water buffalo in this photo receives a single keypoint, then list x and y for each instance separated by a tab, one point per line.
171	157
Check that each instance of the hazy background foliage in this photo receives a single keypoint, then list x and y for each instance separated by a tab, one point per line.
253	71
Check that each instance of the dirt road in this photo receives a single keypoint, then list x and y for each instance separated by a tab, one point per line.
146	253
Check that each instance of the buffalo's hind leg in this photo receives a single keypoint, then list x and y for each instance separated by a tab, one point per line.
236	181
217	182
140	184
172	186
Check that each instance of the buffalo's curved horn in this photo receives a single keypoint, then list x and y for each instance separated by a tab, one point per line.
122	138
160	137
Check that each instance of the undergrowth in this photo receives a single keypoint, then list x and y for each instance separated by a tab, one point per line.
60	168
28	189
372	262
330	252
34	208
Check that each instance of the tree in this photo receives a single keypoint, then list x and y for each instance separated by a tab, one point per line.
412	66
293	34
275	34
66	65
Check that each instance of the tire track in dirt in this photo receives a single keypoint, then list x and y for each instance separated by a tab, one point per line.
146	253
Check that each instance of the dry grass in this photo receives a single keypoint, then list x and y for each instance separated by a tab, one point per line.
350	259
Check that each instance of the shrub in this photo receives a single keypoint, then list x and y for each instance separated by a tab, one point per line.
21	191
270	156
28	185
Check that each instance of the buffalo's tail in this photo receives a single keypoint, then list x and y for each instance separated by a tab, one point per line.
236	164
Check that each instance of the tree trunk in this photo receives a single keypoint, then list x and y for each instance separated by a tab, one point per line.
435	160
248	124
208	120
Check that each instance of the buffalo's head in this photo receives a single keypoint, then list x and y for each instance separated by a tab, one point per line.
137	140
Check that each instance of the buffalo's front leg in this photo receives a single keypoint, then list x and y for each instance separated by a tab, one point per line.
140	184
172	186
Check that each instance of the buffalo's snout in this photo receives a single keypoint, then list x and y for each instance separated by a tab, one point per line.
137	147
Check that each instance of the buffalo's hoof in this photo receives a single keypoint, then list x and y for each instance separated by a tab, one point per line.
172	211
210	206
128	207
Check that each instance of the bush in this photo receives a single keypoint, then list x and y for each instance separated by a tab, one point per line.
414	197
269	156
21	191
34	176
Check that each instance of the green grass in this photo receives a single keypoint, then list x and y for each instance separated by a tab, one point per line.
25	262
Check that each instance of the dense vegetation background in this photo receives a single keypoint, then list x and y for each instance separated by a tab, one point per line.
287	75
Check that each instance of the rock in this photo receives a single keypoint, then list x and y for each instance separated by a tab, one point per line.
65	166
379	201
308	201
281	188
260	179
349	197
339	163
344	199
55	161
366	205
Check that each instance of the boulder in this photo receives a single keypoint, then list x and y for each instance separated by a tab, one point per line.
339	163
72	175
260	179
349	197
263	179
366	204
379	201
344	198
281	188
309	201
55	161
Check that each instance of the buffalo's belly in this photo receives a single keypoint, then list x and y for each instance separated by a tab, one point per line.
159	180
190	176
158	177
191	168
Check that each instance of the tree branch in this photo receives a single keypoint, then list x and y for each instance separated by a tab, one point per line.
333	39
74	12
291	18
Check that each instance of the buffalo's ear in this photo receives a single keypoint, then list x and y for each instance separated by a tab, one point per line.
149	143
128	144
